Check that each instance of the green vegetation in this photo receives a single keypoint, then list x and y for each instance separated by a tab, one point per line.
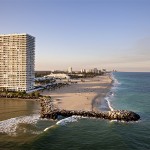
18	94
85	75
43	82
42	73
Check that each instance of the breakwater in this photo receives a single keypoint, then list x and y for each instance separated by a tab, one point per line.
49	111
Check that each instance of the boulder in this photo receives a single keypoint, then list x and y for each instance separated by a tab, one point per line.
49	111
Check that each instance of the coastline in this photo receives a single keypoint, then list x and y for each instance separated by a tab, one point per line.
20	99
87	95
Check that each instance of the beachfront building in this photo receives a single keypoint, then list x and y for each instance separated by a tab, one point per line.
59	75
17	62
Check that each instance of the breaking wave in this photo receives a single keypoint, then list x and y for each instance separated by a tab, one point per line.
108	102
68	120
110	95
65	121
115	81
10	126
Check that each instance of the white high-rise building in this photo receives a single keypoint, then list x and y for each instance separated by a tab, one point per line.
83	70
17	62
70	70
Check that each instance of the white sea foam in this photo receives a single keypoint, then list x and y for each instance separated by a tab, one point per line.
108	98
122	121
9	126
116	82
110	95
49	127
69	119
109	105
65	121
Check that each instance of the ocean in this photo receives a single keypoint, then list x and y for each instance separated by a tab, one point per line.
21	128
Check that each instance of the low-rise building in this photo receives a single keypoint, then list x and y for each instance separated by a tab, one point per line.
59	75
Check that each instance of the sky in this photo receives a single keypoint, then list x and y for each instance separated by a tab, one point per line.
111	34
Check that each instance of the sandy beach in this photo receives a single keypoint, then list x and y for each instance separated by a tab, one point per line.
87	94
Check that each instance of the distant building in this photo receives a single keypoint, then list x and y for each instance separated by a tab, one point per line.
70	70
59	75
17	62
88	70
103	70
83	70
95	70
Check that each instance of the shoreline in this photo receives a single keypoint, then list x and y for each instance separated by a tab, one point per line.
87	95
99	102
21	99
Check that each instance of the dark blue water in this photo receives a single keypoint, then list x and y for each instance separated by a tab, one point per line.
131	91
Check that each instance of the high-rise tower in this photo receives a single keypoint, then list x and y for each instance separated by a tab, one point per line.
17	62
70	70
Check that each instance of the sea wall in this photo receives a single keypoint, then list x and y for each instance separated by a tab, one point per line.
50	112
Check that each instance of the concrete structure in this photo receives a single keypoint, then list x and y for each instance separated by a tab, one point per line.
17	62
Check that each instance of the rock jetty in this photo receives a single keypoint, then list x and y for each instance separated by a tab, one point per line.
50	112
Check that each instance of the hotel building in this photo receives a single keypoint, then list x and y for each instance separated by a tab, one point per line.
17	62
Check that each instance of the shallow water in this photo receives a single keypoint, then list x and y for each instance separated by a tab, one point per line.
10	108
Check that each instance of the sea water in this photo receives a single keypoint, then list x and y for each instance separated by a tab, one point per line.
130	91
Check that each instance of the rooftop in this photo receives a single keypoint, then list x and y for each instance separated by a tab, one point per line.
15	34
